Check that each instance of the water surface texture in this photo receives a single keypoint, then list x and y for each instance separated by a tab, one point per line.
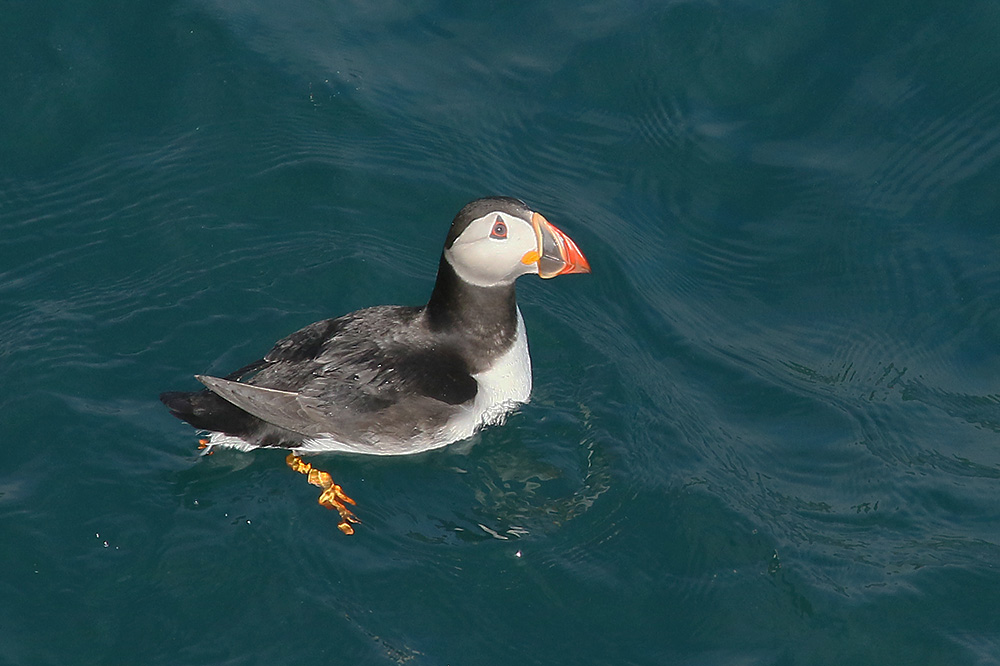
765	430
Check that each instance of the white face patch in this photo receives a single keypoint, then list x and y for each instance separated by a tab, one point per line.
490	250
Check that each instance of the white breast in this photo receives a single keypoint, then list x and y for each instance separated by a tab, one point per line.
501	388
507	383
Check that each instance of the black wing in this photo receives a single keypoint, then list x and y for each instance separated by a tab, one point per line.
373	371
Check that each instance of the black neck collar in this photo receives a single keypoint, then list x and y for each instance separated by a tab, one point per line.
483	318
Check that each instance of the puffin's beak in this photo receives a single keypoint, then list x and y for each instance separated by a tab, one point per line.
557	253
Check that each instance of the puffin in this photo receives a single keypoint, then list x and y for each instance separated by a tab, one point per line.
391	379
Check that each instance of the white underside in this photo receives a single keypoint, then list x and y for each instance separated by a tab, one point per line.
501	389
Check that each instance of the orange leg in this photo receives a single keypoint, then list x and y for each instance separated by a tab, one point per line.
332	497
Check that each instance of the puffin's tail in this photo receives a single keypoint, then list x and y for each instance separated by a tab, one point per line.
208	411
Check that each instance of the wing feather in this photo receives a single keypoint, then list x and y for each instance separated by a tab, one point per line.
370	374
282	408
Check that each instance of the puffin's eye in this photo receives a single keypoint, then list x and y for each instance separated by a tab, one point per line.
499	229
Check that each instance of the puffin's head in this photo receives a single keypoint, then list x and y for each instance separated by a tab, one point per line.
496	240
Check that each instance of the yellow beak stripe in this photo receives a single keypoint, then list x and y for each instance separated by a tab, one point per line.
530	258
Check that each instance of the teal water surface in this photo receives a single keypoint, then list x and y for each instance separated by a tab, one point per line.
765	430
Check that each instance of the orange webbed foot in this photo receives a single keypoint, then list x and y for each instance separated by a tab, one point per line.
332	497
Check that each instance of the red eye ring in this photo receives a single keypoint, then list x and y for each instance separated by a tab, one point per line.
499	229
